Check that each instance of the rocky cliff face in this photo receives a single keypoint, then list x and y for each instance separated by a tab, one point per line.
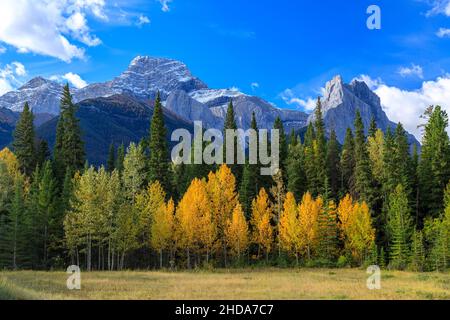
341	101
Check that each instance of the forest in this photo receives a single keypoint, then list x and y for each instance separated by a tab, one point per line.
375	200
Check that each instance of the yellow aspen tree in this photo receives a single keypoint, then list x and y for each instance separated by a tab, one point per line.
195	229
360	234
236	232
223	199
375	148
289	226
308	223
10	160
262	232
161	234
344	211
149	202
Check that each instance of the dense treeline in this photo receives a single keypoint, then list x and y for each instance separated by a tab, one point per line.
374	200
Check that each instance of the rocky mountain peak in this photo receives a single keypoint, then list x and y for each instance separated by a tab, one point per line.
36	83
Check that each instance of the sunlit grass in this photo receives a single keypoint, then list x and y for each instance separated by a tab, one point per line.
278	284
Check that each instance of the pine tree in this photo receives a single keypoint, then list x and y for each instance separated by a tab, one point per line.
363	174
251	179
23	143
159	154
110	165
42	152
295	170
230	124
348	163
309	159
333	165
320	150
434	168
417	252
69	147
373	127
120	158
399	228
328	232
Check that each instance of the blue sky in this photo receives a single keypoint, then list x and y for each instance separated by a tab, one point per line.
283	51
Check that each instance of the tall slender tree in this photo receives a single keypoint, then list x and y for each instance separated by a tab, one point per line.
23	143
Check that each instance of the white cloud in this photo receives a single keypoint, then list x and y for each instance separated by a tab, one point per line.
414	70
308	104
73	78
165	5
143	20
371	83
439	7
407	106
254	85
53	27
443	33
8	76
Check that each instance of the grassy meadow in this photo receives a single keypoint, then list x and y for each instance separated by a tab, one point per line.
273	284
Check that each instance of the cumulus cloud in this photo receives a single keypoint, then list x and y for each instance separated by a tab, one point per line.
414	70
371	83
407	106
9	75
73	78
443	33
165	5
307	104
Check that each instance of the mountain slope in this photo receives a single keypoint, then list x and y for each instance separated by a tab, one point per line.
116	119
8	120
341	101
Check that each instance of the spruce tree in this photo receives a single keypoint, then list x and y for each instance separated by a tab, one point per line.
373	127
295	170
120	158
333	165
230	124
348	164
320	149
111	163
159	154
434	166
252	180
309	160
363	175
417	252
399	226
283	148
42	152
23	142
69	147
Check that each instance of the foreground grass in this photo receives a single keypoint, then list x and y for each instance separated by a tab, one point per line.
276	284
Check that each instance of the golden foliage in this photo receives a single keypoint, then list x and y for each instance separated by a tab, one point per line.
308	223
289	225
236	232
262	232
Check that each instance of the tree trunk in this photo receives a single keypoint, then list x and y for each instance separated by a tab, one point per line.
160	259
188	259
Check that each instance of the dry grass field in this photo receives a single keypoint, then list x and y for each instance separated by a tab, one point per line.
276	284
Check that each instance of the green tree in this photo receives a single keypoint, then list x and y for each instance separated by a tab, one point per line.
120	158
230	124
333	165
134	174
295	169
159	154
399	225
23	142
111	163
320	150
434	166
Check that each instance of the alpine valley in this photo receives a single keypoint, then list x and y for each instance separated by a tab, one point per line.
119	111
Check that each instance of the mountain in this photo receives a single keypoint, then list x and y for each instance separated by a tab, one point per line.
8	120
116	119
340	102
42	95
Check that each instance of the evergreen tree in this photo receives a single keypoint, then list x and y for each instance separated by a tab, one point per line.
373	127
230	124
434	167
417	252
363	175
159	154
320	150
42	152
399	228
120	158
23	143
69	147
110	165
283	148
333	165
295	170
348	164
309	160
251	179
